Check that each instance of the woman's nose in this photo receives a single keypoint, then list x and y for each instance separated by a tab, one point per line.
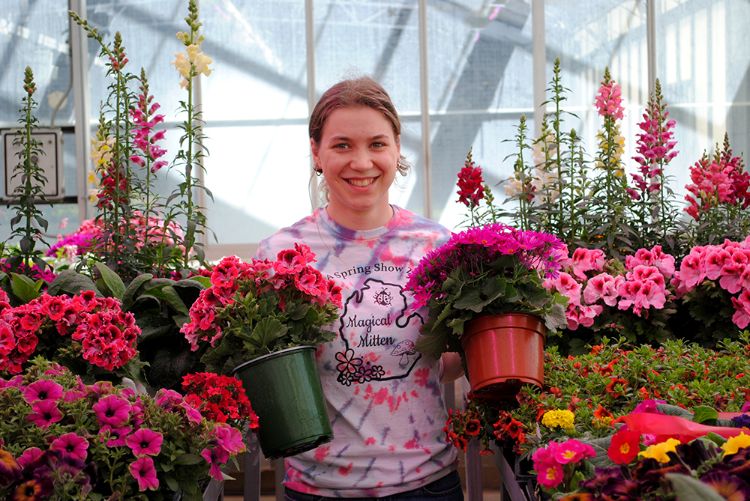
361	159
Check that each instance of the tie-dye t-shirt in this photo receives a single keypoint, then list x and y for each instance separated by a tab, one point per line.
384	398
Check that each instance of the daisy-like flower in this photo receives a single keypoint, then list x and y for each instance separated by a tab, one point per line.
144	472
44	413
43	389
71	446
112	410
145	442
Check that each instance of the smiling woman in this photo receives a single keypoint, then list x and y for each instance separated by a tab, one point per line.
383	396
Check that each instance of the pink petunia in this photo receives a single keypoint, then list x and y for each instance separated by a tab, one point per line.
144	472
216	457
71	446
229	438
44	413
112	410
145	442
29	456
115	437
43	389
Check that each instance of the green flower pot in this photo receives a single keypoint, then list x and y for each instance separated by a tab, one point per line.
285	391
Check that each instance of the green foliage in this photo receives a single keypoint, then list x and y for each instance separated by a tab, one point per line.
28	224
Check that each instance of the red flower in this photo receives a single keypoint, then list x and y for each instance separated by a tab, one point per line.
470	185
624	446
219	398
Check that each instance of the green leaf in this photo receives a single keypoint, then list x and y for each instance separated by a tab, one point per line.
111	279
688	488
432	345
71	282
129	295
23	287
468	301
266	331
204	281
172	483
169	295
705	413
188	459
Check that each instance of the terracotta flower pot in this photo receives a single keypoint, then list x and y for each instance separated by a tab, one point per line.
502	352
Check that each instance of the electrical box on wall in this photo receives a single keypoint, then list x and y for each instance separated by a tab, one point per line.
49	142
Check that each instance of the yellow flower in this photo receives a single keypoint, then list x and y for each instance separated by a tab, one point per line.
559	419
199	60
182	64
101	151
734	444
659	451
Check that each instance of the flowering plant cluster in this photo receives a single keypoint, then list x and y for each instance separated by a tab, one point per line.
487	269
633	300
258	307
219	398
559	464
698	469
67	328
584	395
63	439
482	422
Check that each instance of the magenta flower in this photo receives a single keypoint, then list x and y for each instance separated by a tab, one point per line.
43	389
44	413
112	410
193	414
229	438
216	457
115	437
572	451
29	456
167	399
144	472
145	442
71	446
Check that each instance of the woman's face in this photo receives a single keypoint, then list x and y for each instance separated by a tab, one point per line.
359	154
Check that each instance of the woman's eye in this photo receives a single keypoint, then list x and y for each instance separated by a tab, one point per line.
340	145
378	144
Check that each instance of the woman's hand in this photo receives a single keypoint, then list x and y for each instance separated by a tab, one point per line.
452	367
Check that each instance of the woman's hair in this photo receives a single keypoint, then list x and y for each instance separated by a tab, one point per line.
363	91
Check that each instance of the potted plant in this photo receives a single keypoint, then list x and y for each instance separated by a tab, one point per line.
63	439
261	320
484	290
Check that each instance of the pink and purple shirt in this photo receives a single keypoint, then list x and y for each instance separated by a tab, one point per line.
384	398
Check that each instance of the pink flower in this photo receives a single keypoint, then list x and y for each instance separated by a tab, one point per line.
145	442
572	451
71	446
229	438
216	457
193	414
584	260
608	100
29	456
44	413
112	410
568	286
115	437
167	399
741	317
603	286
43	389
144	472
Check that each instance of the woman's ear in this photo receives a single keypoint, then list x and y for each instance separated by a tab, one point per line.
314	149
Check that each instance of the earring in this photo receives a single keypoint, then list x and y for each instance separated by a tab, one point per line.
318	171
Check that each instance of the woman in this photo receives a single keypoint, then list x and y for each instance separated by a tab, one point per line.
385	398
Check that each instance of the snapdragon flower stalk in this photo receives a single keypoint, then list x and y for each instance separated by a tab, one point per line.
653	206
190	65
31	188
558	97
610	189
522	177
